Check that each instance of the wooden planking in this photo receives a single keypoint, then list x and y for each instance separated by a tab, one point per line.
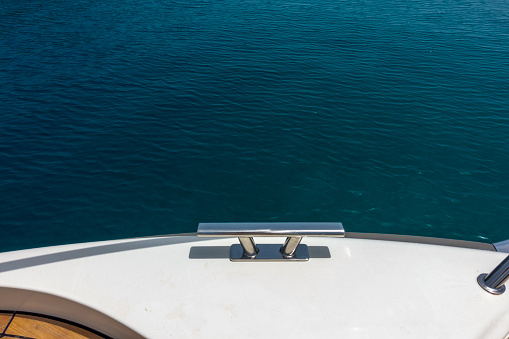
42	328
4	320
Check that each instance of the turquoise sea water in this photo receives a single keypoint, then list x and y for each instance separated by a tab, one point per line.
142	117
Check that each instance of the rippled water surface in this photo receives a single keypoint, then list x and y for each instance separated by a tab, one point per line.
142	117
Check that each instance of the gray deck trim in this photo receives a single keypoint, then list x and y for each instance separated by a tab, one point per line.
408	238
502	246
422	240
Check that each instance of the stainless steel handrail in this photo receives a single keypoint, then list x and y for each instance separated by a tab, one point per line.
494	282
291	250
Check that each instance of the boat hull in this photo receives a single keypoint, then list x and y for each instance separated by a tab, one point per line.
186	287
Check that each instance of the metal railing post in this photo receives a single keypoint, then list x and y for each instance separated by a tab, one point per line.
290	246
249	247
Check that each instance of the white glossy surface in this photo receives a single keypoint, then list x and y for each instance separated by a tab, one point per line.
367	289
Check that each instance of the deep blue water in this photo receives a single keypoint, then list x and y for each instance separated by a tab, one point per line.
142	117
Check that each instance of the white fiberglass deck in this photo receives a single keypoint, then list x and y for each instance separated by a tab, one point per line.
367	289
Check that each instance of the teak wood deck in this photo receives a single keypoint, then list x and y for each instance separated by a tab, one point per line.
30	326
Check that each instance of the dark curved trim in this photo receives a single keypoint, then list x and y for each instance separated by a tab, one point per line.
422	240
23	301
61	320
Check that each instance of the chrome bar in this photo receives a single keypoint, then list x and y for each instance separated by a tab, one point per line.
290	246
249	247
494	282
275	229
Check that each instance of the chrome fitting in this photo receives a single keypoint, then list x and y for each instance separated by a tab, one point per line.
494	282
